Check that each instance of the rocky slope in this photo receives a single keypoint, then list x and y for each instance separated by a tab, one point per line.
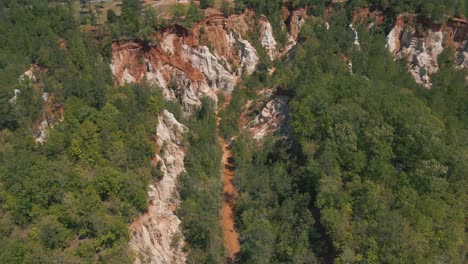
419	42
156	236
291	25
191	64
186	70
415	39
273	105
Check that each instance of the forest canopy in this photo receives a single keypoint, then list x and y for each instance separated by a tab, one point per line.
372	170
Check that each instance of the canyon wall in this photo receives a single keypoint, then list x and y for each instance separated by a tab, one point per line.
273	108
415	39
420	41
156	236
189	65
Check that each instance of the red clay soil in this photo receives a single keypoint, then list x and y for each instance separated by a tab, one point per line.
230	235
231	238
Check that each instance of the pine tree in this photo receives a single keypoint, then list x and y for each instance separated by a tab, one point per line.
206	3
193	13
130	14
226	7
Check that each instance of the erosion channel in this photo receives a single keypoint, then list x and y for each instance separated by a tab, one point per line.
230	235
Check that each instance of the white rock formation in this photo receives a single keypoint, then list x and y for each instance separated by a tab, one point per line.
249	57
156	236
355	35
393	39
167	44
271	118
127	78
297	21
43	131
267	40
420	53
187	71
421	48
45	96
30	74
217	77
350	67
15	96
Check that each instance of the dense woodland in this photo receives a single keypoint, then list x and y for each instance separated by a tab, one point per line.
373	170
69	200
201	189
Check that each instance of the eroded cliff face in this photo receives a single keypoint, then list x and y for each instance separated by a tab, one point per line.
52	114
52	111
273	108
191	64
420	42
292	24
156	236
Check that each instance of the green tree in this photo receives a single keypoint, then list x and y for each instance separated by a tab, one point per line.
131	14
226	7
111	16
179	10
108	183
193	14
206	3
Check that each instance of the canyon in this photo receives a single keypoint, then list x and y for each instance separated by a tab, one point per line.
213	57
247	131
189	65
230	235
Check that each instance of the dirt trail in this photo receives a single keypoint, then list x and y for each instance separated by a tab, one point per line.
230	235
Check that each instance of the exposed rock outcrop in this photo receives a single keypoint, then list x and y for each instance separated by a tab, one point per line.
272	117
355	35
421	47
293	22
52	111
249	57
30	74
216	76
297	20
191	64
267	39
188	65
156	236
182	66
